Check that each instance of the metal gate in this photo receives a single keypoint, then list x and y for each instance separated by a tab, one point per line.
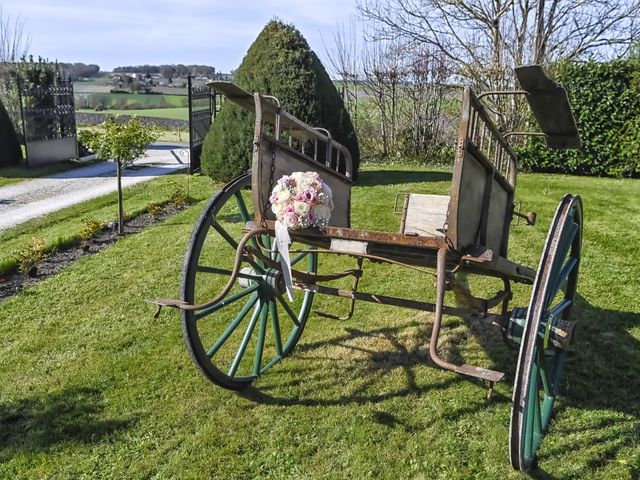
49	122
203	105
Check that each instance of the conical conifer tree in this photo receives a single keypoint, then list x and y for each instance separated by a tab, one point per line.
278	63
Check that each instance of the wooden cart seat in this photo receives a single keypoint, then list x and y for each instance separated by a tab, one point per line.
425	215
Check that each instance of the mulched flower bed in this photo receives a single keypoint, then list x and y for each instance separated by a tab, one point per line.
12	283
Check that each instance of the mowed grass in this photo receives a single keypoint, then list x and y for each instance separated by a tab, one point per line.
94	387
131	100
175	113
63	227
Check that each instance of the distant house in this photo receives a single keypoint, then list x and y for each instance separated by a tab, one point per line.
226	77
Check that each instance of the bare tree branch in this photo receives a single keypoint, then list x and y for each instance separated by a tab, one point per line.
482	37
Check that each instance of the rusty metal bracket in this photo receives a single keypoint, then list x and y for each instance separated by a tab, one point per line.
240	256
354	287
440	309
529	217
480	305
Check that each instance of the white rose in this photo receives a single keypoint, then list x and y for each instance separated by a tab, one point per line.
301	208
277	208
284	195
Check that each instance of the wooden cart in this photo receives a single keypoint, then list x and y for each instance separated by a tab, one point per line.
232	275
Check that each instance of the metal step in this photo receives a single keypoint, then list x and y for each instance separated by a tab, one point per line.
481	373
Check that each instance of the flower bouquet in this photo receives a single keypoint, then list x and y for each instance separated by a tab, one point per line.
299	200
302	200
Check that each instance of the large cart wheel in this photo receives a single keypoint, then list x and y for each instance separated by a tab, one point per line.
253	327
541	362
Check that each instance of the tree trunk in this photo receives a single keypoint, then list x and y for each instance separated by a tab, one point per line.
539	53
120	207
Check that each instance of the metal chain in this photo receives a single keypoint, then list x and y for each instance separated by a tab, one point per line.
265	207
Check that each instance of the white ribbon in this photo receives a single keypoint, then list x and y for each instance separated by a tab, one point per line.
283	240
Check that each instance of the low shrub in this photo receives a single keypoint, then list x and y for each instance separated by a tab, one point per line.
154	209
91	228
178	197
32	253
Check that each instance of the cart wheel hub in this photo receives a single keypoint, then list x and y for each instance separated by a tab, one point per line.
272	278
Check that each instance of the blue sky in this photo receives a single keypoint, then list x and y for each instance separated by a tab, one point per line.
134	32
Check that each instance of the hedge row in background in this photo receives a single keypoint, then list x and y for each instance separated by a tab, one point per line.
279	63
606	101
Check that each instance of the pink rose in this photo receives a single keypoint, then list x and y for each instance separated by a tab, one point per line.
290	219
308	195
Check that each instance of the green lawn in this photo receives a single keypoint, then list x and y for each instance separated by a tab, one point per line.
130	100
178	135
94	387
176	113
63	226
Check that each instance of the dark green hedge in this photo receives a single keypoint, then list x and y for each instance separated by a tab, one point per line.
606	102
10	151
279	63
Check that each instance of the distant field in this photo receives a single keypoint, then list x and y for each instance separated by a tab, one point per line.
91	85
129	100
178	113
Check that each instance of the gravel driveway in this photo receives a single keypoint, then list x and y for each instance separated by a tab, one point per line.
23	201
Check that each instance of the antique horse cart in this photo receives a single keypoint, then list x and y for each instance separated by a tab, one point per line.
232	274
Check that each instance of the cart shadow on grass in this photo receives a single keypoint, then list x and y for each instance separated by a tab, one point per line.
39	423
600	389
601	370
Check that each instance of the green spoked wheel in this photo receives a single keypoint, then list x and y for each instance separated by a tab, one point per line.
540	361
253	326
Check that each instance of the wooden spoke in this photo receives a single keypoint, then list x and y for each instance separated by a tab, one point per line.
287	308
227	272
299	257
227	301
233	325
275	320
264	315
245	340
224	234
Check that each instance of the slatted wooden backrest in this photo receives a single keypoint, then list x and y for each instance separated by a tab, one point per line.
282	145
483	183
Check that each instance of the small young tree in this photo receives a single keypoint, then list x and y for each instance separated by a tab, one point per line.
122	142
